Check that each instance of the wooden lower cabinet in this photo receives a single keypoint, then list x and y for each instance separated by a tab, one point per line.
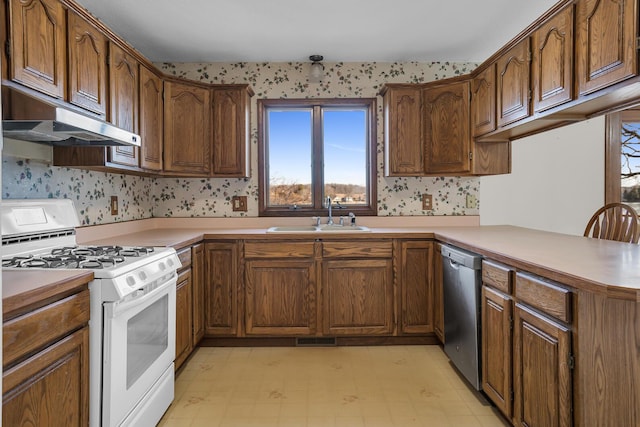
541	371
197	290
358	297
51	388
497	323
221	272
280	297
45	378
438	302
184	319
526	352
416	284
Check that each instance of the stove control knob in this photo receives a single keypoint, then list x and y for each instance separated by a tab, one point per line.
142	275
131	281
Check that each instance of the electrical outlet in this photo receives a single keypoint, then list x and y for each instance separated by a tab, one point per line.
239	203
472	202
427	202
114	205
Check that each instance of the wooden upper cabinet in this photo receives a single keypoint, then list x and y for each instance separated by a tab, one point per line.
513	84
606	33
87	67
151	119
483	101
38	45
231	106
447	135
123	85
187	118
552	61
404	146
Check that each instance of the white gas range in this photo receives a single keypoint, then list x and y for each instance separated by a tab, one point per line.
132	326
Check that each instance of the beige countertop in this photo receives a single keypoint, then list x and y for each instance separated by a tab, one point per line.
25	289
601	266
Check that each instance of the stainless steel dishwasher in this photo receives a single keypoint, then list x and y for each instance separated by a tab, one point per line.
461	293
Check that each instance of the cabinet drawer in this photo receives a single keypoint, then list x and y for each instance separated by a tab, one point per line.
497	275
545	296
351	250
184	255
278	249
35	330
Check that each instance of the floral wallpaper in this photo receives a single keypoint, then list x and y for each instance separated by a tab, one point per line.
141	197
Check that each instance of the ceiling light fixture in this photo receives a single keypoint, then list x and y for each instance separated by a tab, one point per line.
316	72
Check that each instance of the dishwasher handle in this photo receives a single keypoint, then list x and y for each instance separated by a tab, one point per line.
457	257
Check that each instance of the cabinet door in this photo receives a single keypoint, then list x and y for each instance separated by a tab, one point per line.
221	289
438	302
606	33
230	132
447	137
552	61
151	119
417	287
87	65
404	146
497	322
541	371
280	297
358	297
38	45
197	285
513	84
187	119
483	101
123	85
51	388
184	314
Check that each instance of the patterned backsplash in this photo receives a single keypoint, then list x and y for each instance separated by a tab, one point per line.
141	197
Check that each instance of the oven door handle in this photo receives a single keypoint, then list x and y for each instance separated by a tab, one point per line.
114	309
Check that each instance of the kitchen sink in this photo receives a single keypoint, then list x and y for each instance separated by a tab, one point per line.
324	228
293	229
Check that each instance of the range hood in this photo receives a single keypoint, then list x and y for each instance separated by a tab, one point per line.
28	117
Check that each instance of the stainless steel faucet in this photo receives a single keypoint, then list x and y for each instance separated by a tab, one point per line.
330	221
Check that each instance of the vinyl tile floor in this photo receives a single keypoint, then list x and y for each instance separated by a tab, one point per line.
385	386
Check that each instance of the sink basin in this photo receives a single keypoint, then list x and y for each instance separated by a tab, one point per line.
293	229
324	228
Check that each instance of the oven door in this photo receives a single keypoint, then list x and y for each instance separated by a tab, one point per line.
139	347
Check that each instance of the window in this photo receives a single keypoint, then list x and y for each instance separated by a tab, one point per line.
623	158
313	149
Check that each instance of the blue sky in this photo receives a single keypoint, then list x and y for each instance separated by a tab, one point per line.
345	146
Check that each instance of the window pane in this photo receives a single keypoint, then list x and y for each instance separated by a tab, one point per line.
630	164
345	155
289	154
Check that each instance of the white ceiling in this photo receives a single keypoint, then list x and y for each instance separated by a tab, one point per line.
341	30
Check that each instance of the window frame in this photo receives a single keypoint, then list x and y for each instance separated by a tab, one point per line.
613	151
316	105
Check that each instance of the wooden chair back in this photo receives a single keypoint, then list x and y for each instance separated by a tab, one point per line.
614	221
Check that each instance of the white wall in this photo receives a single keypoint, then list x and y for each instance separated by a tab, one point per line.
556	183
